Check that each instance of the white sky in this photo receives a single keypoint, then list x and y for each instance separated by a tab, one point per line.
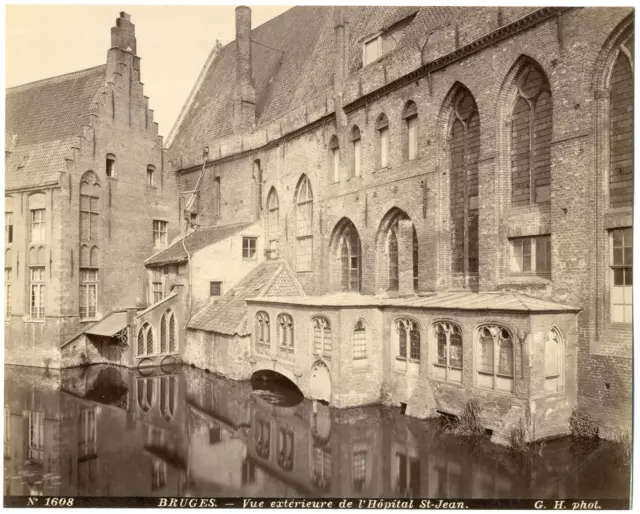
173	41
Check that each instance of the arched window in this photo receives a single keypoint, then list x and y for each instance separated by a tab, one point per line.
382	128
392	259
263	332
168	396
531	131
554	362
410	116
321	336
347	257
89	236
395	248
408	339
168	332
146	393
334	148
262	437
359	341
257	181
304	224
495	358
286	440
621	126
356	142
448	359
145	340
464	148
285	335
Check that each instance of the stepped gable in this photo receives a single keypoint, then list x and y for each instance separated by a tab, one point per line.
292	62
228	314
195	241
44	118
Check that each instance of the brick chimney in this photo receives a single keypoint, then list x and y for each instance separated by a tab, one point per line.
123	35
244	112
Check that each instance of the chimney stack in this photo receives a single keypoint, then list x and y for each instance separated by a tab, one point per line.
123	35
245	95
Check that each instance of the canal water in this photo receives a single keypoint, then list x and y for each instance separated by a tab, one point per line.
108	431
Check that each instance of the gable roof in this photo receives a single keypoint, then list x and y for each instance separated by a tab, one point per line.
293	62
227	315
43	119
195	241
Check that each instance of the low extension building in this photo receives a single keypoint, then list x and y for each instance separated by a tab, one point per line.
452	188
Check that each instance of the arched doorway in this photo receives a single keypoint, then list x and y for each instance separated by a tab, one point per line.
320	382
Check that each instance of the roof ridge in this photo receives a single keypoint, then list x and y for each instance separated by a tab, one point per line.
56	77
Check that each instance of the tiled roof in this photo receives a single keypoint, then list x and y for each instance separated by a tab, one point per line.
510	302
227	315
293	62
195	241
44	117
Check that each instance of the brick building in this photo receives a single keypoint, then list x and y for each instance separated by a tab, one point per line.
433	176
84	173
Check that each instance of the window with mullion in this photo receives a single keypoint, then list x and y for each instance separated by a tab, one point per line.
621	290
495	363
37	292
37	225
88	293
531	256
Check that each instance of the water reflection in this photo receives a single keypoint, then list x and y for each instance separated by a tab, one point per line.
113	432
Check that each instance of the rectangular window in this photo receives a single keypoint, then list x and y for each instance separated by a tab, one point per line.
372	50
7	292
215	288
412	136
335	153
357	154
156	285
111	166
531	255
88	293
303	254
8	227
621	260
249	245
37	225
384	148
36	436
217	196
151	176
215	435
37	289
159	233
88	218
359	469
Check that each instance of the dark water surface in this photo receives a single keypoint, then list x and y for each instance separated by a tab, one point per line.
105	431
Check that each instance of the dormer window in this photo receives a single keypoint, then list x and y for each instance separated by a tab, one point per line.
372	49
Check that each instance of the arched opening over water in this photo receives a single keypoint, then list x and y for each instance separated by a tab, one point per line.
276	388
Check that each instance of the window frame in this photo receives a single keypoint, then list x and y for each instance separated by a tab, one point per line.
356	149
495	348
110	165
334	149
360	345
285	326
410	346
452	374
151	175
39	285
377	39
8	227
215	284
37	227
161	233
86	285
8	278
249	248
262	322
627	269
320	325
516	266
559	376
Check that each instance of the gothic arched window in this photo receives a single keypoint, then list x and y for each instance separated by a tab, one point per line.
531	131
304	224
495	365
464	147
321	336
448	361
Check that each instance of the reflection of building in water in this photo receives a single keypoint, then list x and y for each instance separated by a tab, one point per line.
106	433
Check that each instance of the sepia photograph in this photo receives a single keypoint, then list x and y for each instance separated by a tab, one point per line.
318	256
